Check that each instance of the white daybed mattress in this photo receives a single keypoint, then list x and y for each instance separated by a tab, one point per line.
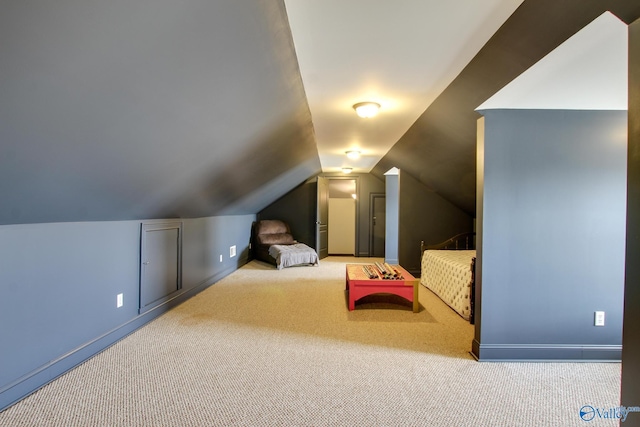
448	274
292	255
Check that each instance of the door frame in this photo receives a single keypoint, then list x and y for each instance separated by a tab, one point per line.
322	191
373	196
357	181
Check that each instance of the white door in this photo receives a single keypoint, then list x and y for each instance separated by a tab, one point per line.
342	226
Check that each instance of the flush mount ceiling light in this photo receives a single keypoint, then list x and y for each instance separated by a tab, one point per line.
347	170
353	154
366	109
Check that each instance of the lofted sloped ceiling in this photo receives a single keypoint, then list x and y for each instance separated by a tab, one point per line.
117	110
439	149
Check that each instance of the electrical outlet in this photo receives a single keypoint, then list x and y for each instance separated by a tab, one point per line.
232	251
599	318
220	257
119	301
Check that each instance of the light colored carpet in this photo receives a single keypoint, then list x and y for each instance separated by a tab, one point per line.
279	348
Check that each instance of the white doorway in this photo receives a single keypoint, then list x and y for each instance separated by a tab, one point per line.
342	216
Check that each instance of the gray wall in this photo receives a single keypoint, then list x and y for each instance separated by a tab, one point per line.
631	343
114	112
425	215
59	283
552	232
149	109
298	209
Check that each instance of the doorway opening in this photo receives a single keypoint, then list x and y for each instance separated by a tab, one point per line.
343	200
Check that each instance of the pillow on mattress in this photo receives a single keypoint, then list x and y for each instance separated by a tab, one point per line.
276	239
271	226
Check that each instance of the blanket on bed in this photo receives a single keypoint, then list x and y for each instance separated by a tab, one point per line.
290	255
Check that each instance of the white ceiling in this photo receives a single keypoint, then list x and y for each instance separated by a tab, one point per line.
401	54
589	71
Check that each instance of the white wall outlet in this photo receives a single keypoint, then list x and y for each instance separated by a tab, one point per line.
232	251
119	301
599	318
220	257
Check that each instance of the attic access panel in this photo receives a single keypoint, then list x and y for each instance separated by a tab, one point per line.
160	263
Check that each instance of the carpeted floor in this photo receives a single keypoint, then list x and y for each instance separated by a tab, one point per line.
265	347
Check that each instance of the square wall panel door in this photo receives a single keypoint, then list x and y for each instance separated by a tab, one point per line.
160	263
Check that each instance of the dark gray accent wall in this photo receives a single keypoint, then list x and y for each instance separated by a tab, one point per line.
425	216
298	208
631	334
439	148
59	283
149	109
552	232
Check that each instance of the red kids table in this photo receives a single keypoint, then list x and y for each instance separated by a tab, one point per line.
359	284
